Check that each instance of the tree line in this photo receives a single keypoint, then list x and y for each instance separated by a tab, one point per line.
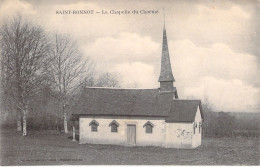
42	74
227	124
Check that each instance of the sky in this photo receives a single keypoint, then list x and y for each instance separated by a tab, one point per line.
213	45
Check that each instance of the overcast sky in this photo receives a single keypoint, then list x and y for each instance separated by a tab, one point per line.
214	45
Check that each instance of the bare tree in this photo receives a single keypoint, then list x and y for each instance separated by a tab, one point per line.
107	80
68	71
24	53
6	101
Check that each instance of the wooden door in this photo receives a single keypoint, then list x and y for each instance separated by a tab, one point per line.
131	134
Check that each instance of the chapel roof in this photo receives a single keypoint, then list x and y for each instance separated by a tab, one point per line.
184	110
135	102
129	102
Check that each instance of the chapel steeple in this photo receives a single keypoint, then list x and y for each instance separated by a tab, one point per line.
166	69
166	77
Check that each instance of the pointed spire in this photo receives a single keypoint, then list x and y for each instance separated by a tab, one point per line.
166	69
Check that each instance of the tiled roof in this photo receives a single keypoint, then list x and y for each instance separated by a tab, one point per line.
183	110
131	102
135	102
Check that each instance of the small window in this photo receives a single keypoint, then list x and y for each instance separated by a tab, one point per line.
148	127
194	127
94	126
200	126
113	128
114	125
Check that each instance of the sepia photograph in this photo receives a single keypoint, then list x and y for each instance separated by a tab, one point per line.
117	82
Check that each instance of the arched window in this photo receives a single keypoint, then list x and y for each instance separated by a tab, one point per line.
114	125
94	125
148	127
194	127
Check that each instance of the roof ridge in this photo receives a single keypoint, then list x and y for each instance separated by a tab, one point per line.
113	88
186	99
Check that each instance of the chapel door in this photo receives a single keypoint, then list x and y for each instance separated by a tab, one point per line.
131	134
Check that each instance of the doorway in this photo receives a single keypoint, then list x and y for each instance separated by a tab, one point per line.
131	134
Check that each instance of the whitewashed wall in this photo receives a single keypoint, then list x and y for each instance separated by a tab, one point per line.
196	138
105	136
171	135
179	135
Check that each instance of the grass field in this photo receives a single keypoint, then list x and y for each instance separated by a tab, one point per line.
53	148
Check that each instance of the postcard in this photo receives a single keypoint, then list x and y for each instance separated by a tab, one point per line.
129	82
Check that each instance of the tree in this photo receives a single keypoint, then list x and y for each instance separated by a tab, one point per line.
7	105
68	71
24	51
107	80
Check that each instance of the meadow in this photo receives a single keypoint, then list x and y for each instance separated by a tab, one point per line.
48	147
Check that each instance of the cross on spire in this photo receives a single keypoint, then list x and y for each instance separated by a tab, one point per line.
163	18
